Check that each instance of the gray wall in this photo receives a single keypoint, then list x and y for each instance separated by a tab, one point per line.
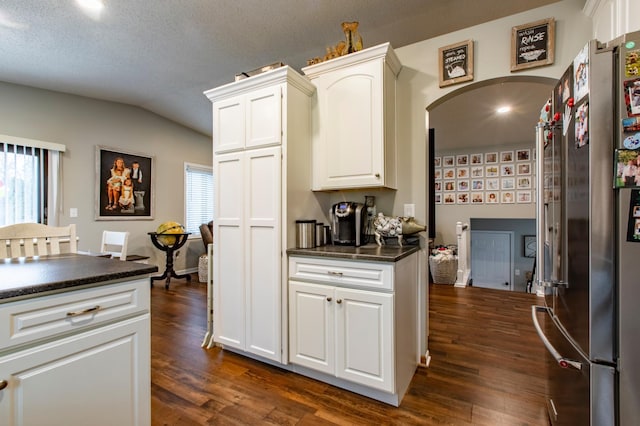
81	123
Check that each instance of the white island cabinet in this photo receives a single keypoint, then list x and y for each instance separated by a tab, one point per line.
355	323
354	118
262	153
77	356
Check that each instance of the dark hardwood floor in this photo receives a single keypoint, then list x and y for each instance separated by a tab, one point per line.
487	368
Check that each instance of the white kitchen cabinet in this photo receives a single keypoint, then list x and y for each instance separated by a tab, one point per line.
354	120
355	321
76	358
247	120
345	332
262	152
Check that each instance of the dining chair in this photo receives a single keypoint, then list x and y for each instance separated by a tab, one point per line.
115	244
36	239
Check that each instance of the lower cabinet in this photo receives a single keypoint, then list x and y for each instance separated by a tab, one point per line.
344	332
354	324
94	371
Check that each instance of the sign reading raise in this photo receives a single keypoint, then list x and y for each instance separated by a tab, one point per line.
532	45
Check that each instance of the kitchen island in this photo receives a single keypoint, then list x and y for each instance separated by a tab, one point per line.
74	341
354	317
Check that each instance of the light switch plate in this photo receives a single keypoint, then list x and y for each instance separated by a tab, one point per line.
73	212
409	210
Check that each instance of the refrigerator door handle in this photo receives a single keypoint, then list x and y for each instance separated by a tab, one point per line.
562	361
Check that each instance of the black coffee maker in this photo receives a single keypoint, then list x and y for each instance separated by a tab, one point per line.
347	223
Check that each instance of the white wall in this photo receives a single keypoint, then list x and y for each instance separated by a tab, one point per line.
613	18
82	123
418	83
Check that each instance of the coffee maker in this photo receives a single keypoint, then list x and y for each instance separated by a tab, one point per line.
347	223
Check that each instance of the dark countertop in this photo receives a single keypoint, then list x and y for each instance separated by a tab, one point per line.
28	277
370	252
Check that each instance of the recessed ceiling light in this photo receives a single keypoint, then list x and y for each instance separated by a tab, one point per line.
91	7
503	109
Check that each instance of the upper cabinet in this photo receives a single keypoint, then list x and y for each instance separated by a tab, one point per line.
354	120
247	120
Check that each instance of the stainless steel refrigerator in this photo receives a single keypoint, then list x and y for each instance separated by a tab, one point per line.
588	240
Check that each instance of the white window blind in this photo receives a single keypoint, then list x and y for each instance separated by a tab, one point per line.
198	181
29	181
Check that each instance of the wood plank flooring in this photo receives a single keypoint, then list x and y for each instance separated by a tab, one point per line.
487	368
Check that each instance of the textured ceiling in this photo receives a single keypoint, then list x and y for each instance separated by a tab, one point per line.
162	54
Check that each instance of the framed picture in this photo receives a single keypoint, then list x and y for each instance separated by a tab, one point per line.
523	155
524	169
492	184
492	197
523	182
507	197
477	172
476	158
462	160
437	186
455	63
463	185
438	198
437	161
523	196
437	174
491	158
506	156
449	199
532	44
463	198
462	172
507	170
477	198
447	160
449	173
508	183
492	171
529	245
124	185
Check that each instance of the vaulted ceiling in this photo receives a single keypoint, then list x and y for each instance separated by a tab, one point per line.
161	55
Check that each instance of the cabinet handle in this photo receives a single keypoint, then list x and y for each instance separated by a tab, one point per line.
86	311
337	274
328	299
3	384
377	175
339	301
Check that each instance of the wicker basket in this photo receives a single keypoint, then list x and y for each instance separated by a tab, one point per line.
444	271
203	268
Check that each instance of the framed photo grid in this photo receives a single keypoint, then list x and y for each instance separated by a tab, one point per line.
501	177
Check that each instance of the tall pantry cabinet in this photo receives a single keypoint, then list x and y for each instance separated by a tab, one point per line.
262	176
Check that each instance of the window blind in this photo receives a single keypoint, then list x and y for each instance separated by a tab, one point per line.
198	196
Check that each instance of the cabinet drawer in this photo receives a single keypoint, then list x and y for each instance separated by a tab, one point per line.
346	273
30	320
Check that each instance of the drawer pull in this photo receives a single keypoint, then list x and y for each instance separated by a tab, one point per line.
337	274
86	311
3	384
328	299
339	301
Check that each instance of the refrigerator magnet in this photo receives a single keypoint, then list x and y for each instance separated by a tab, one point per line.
632	142
626	168
632	63
633	227
632	97
582	125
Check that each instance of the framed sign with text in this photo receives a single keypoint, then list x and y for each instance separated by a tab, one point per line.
456	63
532	44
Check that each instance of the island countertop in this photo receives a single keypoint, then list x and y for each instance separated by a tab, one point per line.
369	252
28	277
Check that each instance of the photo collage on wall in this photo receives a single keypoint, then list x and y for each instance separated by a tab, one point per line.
504	177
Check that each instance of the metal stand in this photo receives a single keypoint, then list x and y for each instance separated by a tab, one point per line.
180	240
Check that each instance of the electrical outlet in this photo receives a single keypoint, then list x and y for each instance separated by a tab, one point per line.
73	212
517	272
409	210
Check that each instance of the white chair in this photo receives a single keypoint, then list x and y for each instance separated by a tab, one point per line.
115	244
36	239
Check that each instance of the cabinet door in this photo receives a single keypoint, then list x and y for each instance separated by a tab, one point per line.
351	131
228	124
364	338
262	254
311	326
264	117
229	250
101	377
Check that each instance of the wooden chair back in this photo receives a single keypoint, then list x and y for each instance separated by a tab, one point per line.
35	239
115	243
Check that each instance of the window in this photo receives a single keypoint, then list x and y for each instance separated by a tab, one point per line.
29	181
198	188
